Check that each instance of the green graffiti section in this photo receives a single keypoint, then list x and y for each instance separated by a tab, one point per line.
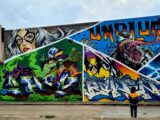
52	73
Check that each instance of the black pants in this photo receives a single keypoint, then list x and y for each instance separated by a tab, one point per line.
133	110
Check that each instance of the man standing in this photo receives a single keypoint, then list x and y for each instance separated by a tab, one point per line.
133	99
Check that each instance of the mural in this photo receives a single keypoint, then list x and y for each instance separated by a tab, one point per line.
23	40
152	69
102	62
55	76
132	41
106	79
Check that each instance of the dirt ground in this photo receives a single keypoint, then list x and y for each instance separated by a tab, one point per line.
76	112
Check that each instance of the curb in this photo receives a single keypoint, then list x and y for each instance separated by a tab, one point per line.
81	103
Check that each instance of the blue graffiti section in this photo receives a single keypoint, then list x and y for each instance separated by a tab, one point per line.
131	41
106	79
119	88
152	69
106	33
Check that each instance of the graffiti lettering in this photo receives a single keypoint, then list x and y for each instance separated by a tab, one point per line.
110	31
110	89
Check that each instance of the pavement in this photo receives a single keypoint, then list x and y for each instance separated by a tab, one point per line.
76	112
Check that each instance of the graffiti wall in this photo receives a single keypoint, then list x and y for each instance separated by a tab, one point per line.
83	62
152	69
105	79
20	41
53	73
133	42
120	54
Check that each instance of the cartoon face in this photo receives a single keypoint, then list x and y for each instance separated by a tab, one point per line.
25	40
93	66
73	70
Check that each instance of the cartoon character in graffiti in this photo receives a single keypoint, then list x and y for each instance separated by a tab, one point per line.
56	57
131	52
51	66
98	72
23	40
61	73
99	66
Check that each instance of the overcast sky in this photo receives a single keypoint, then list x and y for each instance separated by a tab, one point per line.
30	13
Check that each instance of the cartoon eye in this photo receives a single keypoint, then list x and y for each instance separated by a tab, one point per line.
19	40
90	66
29	37
96	65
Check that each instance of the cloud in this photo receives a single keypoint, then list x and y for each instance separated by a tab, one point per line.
106	10
25	13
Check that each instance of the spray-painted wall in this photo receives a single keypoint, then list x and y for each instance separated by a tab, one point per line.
98	63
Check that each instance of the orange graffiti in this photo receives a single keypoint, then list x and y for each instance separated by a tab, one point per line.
97	37
155	31
125	71
132	32
144	32
106	34
117	32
